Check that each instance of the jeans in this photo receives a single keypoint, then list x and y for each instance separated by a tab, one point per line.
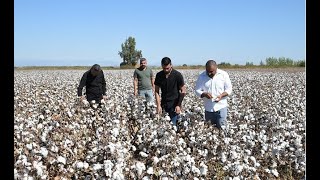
148	94
172	114
219	117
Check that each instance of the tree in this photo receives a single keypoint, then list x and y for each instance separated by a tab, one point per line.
261	63
128	52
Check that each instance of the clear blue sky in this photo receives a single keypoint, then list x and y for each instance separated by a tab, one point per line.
82	32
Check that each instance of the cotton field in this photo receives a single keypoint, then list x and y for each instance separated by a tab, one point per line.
58	137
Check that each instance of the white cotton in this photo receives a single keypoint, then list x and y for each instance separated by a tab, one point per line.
112	147
29	146
115	132
85	102
267	170
175	128
39	126
238	169
79	165
85	165
195	170
54	148
297	141
69	114
139	166
133	148
203	169
236	178
117	175
223	157
95	149
145	178
253	159
108	165
44	151
143	154
97	166
61	159
234	155
155	160
150	170
275	172
16	175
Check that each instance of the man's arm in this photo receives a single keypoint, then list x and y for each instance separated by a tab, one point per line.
200	92
159	109
82	84
152	83
152	80
103	85
182	93
135	86
135	82
227	88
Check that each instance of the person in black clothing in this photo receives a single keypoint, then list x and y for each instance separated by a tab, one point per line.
95	84
173	90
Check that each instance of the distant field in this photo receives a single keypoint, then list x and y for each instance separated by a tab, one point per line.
290	69
58	137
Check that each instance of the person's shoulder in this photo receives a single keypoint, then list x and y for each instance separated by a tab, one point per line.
202	73
176	71
160	72
221	71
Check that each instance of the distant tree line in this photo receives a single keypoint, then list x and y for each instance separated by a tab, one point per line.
269	62
130	57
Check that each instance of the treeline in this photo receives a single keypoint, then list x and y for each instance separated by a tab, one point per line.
269	62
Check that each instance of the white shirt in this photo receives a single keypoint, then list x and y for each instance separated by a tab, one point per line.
215	86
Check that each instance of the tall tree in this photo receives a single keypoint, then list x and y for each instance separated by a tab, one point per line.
128	52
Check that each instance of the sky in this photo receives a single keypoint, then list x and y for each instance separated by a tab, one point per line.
83	33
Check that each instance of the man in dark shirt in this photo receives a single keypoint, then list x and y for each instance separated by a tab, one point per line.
95	84
173	90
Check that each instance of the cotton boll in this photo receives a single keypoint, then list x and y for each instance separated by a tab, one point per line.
150	170
143	154
195	170
29	146
155	160
44	151
85	165
275	172
203	169
69	114
61	159
139	166
79	165
97	166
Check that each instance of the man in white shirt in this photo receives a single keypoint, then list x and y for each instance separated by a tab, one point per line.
214	87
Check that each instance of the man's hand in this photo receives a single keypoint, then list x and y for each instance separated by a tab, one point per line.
218	98
207	95
178	109
104	97
159	109
82	97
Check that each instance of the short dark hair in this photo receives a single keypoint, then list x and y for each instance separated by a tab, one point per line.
96	67
142	59
165	61
210	63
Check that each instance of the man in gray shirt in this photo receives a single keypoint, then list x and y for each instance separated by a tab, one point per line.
143	82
